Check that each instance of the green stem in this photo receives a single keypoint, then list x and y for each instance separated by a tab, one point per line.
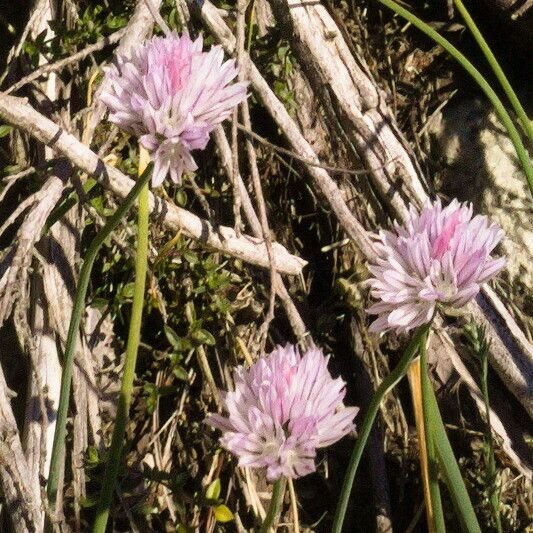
70	347
134	337
275	505
434	490
250	28
450	468
500	74
478	78
491	481
386	385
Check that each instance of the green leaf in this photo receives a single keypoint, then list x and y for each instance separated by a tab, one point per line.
213	491
152	395
203	336
5	130
181	197
223	514
87	503
173	338
191	257
180	373
127	290
92	459
450	469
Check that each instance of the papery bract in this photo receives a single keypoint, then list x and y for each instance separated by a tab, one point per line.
171	95
439	256
284	407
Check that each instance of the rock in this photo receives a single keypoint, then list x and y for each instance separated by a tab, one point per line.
481	166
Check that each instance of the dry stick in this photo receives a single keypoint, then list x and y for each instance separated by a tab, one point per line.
220	238
321	179
234	173
294	155
22	499
293	315
12	179
235	118
36	14
62	63
356	106
256	179
294	506
154	10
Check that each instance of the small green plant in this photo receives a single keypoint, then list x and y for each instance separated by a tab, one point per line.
478	343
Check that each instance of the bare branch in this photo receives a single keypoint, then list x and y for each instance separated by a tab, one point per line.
256	179
249	249
296	321
21	496
62	63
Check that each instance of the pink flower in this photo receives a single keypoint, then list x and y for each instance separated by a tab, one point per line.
283	408
440	256
172	95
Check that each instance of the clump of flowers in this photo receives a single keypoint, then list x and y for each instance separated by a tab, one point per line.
283	408
440	256
172	95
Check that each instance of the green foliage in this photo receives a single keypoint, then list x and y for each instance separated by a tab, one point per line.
478	343
5	130
95	22
274	55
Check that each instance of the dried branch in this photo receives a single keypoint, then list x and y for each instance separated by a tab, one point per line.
62	63
21	496
251	250
294	155
15	268
256	179
359	107
321	179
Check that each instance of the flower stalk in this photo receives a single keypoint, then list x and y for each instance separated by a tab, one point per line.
60	434
276	503
132	347
435	514
448	465
386	386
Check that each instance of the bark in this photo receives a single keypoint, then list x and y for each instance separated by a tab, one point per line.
20	494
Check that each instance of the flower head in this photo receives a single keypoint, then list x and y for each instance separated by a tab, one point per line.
440	256
283	408
172	95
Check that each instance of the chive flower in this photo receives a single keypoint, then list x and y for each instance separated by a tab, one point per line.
284	407
440	256
171	95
